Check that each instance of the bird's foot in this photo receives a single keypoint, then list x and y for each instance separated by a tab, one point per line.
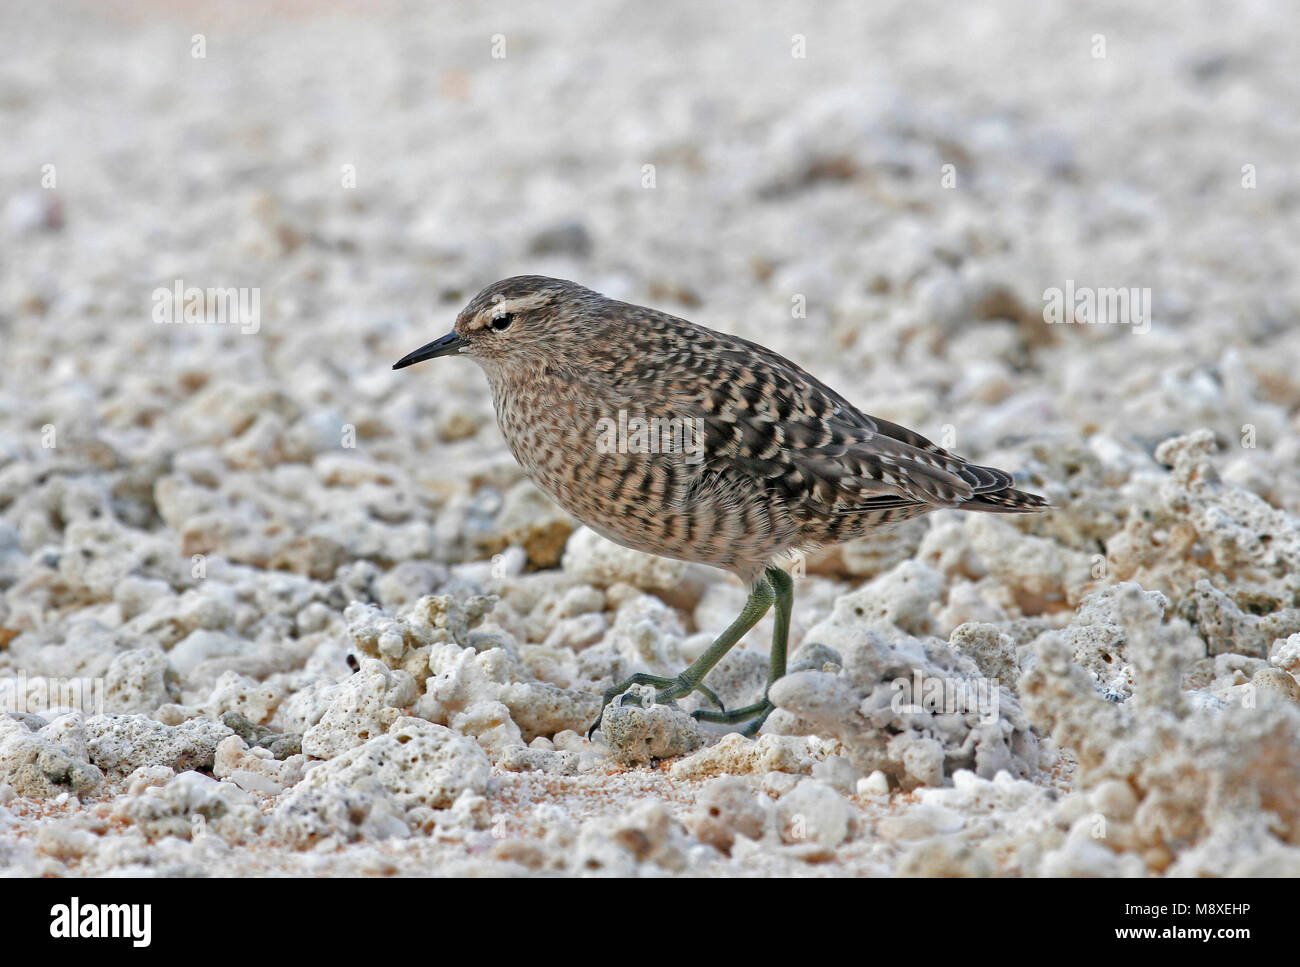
669	690
755	715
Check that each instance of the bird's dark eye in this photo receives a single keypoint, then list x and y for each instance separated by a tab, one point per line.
503	322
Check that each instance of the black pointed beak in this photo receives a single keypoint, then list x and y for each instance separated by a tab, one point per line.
443	346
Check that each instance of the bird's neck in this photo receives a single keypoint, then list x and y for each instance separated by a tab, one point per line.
540	378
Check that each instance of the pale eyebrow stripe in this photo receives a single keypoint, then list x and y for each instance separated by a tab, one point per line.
517	304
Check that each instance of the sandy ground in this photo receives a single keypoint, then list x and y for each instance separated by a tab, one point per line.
328	627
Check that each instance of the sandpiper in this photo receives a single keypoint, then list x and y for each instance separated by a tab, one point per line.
739	455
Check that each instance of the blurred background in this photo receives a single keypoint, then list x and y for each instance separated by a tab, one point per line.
883	192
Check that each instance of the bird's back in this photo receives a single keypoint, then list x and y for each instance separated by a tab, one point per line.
784	461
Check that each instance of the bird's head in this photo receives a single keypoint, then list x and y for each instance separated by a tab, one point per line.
521	320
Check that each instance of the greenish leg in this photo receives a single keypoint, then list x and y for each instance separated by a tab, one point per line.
783	589
692	679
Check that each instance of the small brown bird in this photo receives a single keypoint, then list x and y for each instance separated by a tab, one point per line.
673	439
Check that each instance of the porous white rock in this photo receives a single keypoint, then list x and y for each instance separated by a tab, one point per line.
911	708
1193	768
727	807
491	724
1099	630
734	754
993	651
191	805
202	645
462	677
308	815
137	682
645	833
1225	627
119	744
595	560
902	598
555	762
256	769
68	732
813	812
1285	654
417	762
41	767
360	708
638	731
